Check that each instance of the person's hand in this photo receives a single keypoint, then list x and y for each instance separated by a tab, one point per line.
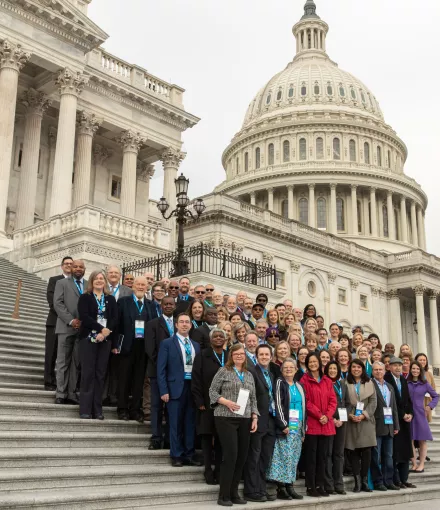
232	406
106	332
396	432
362	417
202	408
407	418
338	423
286	431
323	420
76	323
115	351
254	425
427	410
165	398
100	337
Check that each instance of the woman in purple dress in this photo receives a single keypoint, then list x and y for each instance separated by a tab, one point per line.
418	387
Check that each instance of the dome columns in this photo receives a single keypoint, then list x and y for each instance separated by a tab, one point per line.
354	210
312	218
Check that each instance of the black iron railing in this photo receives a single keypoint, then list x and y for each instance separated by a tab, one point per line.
204	259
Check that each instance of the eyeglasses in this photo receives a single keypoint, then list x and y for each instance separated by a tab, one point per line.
173	288
209	290
158	290
200	292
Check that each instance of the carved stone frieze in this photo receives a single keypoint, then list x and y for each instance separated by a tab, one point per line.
13	56
419	290
71	82
295	266
172	157
144	171
332	278
354	284
267	257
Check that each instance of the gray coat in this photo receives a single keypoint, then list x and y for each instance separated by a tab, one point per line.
124	291
65	303
362	434
381	428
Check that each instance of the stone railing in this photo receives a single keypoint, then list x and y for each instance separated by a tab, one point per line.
95	219
414	258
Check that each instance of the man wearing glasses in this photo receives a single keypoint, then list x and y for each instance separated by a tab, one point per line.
200	292
262	300
208	296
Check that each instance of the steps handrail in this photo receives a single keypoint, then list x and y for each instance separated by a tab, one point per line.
16	312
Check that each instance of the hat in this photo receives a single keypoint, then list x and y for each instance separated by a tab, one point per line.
270	331
395	359
261	296
258	305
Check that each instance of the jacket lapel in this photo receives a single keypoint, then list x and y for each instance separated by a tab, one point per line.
163	324
177	346
74	287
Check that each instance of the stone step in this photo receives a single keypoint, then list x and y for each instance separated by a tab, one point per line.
20	395
27	295
21	369
23	326
72	440
21	386
38	303
20	409
35	361
25	313
21	378
25	353
36	345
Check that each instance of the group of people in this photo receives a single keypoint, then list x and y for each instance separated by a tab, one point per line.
269	394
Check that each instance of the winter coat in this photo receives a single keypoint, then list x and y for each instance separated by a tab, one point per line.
320	400
362	434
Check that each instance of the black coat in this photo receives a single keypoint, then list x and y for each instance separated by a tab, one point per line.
282	406
381	428
156	331
201	336
262	392
205	367
88	312
182	306
52	315
402	442
128	314
341	402
275	370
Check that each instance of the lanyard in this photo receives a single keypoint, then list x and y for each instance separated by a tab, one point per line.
158	309
293	392
137	304
115	290
357	388
240	375
251	357
384	391
338	388
169	326
78	286
344	375
101	303
188	350
196	326
222	361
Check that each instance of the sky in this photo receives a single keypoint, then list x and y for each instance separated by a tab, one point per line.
223	51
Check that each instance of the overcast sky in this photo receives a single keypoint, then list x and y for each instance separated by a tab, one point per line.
223	51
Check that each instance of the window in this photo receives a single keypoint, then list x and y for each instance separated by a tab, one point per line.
379	156
280	277
359	216
340	215
20	156
319	148
385	221
246	161
342	296
237	165
367	153
322	213
389	159
116	187
286	151
302	149
257	157
285	209
353	93
303	206
363	96
363	301
316	88
279	95
268	98
341	90
311	288
336	148
271	154
329	89
304	90
291	91
352	146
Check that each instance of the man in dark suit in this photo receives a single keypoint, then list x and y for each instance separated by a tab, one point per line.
134	314
174	369
65	302
50	346
256	314
183	299
157	331
201	334
402	444
262	442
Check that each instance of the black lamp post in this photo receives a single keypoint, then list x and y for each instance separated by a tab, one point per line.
181	212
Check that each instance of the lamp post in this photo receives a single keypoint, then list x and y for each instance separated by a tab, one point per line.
182	212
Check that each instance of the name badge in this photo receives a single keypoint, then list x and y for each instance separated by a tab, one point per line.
359	408
388	415
139	328
342	414
102	322
293	421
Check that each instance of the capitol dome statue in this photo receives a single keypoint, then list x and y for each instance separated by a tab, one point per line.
314	147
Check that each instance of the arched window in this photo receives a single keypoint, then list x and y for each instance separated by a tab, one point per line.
352	145
303	206
279	95
271	154
379	156
389	159
303	149
359	216
291	91
246	161
329	89
319	148
367	153
340	215
285	209
303	90
385	221
237	165
363	96
316	88
268	98
336	148
286	151
353	93
257	157
322	213
341	90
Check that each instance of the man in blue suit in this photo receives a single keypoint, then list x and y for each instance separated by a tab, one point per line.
174	370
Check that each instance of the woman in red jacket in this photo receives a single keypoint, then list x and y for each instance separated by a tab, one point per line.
321	406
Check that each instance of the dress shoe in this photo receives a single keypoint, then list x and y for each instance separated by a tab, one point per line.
392	487
302	475
176	463
291	492
270	497
155	446
380	487
255	498
238	501
60	401
331	492
357	484
209	477
282	494
409	485
72	402
85	416
364	485
192	462
166	445
123	416
401	485
341	492
99	417
322	492
224	502
50	387
313	493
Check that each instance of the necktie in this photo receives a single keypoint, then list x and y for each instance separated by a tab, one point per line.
170	324
188	352
140	304
79	285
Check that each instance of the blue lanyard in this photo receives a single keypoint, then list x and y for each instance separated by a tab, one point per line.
170	328
357	388
188	351
293	392
222	361
137	304
78	286
240	375
251	357
115	290
384	391
158	309
338	388
100	303
344	375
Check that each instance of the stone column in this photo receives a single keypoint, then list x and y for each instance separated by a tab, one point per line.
433	316
87	125
12	60
333	222
395	320
312	217
375	306
253	196
131	143
100	185
270	199
36	104
380	216
419	291
403	222
290	212
354	209
52	137
366	216
391	224
373	207
144	173
384	313
421	229
71	85
415	235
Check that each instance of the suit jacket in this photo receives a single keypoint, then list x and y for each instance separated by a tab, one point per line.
381	428
262	392
88	312
128	315
201	336
170	367
182	305
52	315
156	332
65	303
124	291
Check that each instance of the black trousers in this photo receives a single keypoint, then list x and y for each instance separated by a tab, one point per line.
260	453
211	444
234	437
111	380
316	448
50	355
334	466
131	375
360	461
158	411
94	360
401	472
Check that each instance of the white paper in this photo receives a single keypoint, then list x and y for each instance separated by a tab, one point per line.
243	397
342	414
387	411
360	406
102	322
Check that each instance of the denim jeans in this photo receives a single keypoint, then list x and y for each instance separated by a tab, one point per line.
382	468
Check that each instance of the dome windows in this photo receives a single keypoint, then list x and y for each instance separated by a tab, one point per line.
379	156
303	209
286	151
341	90
303	149
271	154
268	98
303	89
279	95
257	158
336	148
319	148
291	92
353	93
352	147
363	97
367	153
329	89
386	232
316	89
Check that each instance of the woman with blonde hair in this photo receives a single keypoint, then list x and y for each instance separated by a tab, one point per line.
222	314
239	332
405	349
363	355
281	352
226	326
310	326
357	341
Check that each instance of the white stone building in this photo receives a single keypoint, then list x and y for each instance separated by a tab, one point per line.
315	179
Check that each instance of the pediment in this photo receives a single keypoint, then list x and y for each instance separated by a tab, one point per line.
62	19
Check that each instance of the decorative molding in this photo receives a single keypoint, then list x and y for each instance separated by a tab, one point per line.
295	266
375	291
144	171
332	278
131	141
87	123
71	82
393	294
354	284
267	257
433	294
172	157
12	56
419	290
35	102
383	294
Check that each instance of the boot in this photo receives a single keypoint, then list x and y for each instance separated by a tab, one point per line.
282	494
291	492
357	483
364	485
